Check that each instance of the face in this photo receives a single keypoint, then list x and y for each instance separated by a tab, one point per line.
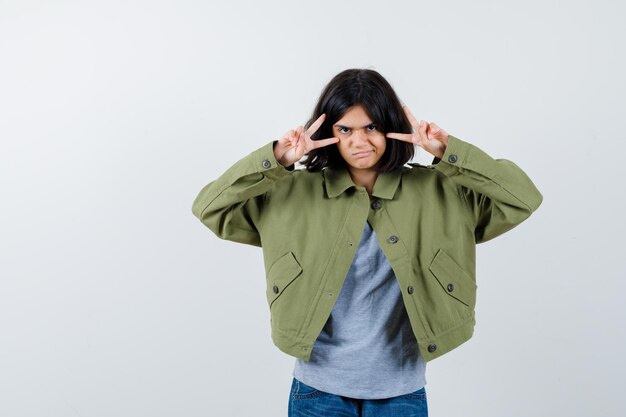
360	144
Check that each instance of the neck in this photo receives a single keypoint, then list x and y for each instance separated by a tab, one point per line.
364	178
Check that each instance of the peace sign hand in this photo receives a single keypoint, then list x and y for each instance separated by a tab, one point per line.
296	143
427	136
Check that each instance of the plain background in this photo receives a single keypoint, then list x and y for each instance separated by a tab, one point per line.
116	301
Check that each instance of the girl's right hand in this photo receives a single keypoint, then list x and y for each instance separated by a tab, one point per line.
296	143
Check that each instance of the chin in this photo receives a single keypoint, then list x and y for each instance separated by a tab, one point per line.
364	166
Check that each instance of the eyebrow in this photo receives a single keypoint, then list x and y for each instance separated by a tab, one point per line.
350	127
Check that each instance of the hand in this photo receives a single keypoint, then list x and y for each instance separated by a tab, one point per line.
296	143
427	136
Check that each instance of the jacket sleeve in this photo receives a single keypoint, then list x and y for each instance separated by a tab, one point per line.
230	206
498	193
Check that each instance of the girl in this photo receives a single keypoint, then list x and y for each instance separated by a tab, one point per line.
370	263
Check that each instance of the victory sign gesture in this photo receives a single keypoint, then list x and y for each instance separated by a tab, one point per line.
427	136
296	143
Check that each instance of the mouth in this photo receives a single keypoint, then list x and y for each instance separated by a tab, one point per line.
362	154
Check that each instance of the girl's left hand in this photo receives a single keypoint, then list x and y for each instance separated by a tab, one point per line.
427	136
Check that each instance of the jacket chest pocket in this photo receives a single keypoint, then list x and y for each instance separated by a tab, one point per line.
281	274
453	279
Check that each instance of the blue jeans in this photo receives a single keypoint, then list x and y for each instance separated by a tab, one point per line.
306	401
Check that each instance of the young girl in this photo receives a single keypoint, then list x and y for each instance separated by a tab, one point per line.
370	263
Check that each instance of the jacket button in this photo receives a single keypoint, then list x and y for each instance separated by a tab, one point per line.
393	239
452	158
450	287
266	163
275	289
410	290
432	347
376	204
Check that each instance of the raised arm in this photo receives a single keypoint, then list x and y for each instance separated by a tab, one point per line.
497	192
231	205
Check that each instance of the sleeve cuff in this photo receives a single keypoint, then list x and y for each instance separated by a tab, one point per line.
266	163
454	157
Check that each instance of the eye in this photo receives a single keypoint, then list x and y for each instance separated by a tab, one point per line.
372	128
343	129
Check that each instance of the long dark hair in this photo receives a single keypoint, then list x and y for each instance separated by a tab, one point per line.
369	89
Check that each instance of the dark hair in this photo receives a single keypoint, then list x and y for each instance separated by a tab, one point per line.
367	88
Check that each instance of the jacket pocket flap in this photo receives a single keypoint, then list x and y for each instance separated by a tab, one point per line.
281	274
452	278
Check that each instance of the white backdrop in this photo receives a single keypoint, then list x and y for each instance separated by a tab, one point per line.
116	301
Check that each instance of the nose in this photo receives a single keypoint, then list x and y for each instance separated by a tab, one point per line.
360	137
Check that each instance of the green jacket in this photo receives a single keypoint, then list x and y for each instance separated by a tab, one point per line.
427	219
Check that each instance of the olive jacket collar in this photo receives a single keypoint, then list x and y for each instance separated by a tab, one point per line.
337	180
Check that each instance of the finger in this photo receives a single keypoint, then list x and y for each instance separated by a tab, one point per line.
287	138
292	137
299	137
411	118
324	142
432	130
316	125
288	134
300	144
421	131
436	132
404	137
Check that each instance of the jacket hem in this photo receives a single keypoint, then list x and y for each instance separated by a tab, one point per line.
448	340
286	343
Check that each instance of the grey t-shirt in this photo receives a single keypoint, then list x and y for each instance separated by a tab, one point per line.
367	349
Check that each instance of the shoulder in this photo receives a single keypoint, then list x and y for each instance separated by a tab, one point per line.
299	178
414	170
426	178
